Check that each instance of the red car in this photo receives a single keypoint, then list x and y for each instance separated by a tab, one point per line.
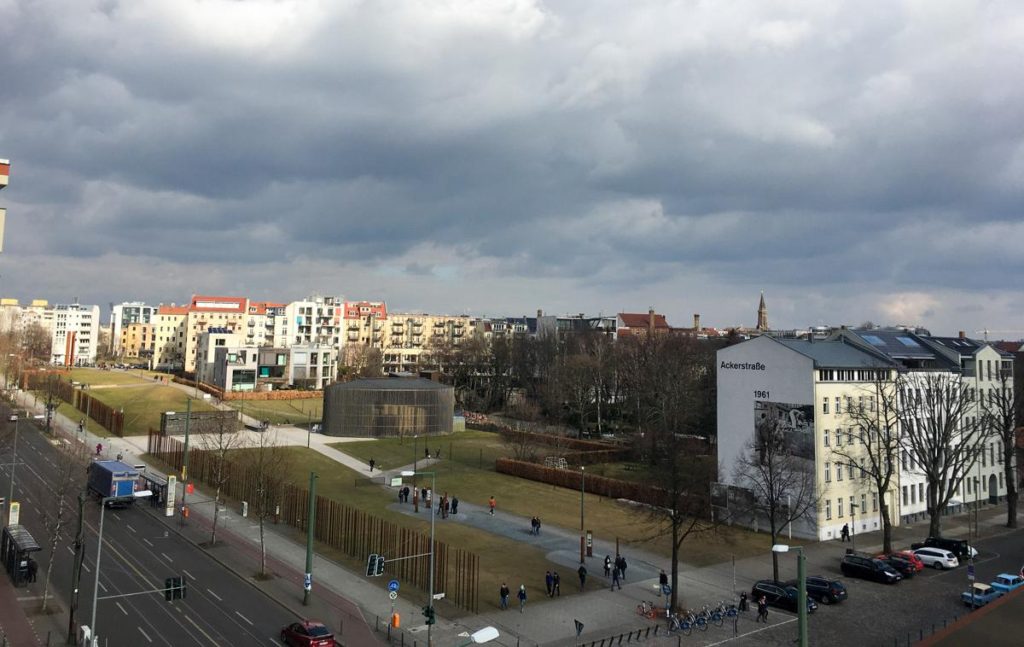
908	556
307	634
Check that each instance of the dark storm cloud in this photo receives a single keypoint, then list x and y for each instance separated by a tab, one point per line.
856	160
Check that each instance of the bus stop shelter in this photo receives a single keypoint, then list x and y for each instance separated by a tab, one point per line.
16	547
158	486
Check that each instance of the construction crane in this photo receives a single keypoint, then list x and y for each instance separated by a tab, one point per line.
987	331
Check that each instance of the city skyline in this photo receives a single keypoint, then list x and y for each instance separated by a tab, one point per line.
855	162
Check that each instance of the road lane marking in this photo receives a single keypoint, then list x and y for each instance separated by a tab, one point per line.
219	599
70	549
121	608
190	575
145	635
243	618
200	630
148	542
103	587
165	555
129	527
86	567
751	633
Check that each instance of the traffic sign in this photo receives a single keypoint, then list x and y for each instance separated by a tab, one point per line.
393	595
308	583
393	585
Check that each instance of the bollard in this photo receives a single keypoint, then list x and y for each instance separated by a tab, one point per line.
933	627
629	637
920	634
403	639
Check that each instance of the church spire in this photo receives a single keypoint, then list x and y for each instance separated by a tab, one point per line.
762	315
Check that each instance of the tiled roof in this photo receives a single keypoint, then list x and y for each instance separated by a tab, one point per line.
172	310
642	320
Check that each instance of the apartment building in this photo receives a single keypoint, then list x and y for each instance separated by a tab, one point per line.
265	324
137	340
363	323
805	387
505	327
123	314
248	368
15	317
412	342
74	334
169	337
562	325
204	312
313	320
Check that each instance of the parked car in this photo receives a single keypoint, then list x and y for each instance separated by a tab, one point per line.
900	565
308	633
937	558
958	547
979	595
868	568
822	589
1005	582
780	594
910	557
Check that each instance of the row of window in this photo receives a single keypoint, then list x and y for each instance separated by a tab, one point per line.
862	402
852	375
853	507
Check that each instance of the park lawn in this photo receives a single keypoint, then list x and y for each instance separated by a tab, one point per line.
143	405
466	470
299	412
100	377
500	559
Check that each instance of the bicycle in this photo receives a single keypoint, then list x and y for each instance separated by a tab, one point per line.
698	620
647	610
679	623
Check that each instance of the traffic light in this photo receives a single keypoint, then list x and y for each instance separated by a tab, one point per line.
371	565
175	588
428	613
379	569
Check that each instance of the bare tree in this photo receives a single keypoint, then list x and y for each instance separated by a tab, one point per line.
876	422
224	439
939	434
63	484
1001	410
268	463
781	481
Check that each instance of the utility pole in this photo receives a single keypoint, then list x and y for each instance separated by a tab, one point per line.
310	523
76	571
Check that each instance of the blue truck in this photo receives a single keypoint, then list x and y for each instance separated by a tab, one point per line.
114	479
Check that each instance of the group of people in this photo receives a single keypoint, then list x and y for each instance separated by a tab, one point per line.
535	526
616	570
554	584
504	592
445	505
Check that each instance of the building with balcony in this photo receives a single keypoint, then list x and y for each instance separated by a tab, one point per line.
75	331
137	340
206	312
169	325
123	314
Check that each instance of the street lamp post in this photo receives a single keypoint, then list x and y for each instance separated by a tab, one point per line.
430	600
583	481
99	553
801	597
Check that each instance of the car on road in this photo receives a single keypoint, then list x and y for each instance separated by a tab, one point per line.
868	568
979	595
958	547
780	594
937	558
307	633
900	565
13	417
822	589
1005	582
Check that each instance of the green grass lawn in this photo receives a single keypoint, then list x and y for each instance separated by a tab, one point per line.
279	412
100	377
466	470
143	405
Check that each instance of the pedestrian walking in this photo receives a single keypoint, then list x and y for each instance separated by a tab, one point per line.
533	525
522	597
423	495
663	583
615	578
491	503
32	568
415	501
504	593
372	463
538	527
607	565
426	452
582	572
120	455
622	567
549	582
845	532
743	602
444	507
762	610
99	448
556	583
455	505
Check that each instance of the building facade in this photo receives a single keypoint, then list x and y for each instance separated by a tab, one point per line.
74	334
123	314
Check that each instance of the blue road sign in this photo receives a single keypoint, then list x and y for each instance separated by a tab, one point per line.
393	585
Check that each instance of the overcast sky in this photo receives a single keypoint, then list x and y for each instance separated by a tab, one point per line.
854	160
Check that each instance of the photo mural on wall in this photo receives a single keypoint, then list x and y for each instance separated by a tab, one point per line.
793	423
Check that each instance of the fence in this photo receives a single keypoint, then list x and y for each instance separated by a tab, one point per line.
354	532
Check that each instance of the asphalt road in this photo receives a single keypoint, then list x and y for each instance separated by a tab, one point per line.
139	552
